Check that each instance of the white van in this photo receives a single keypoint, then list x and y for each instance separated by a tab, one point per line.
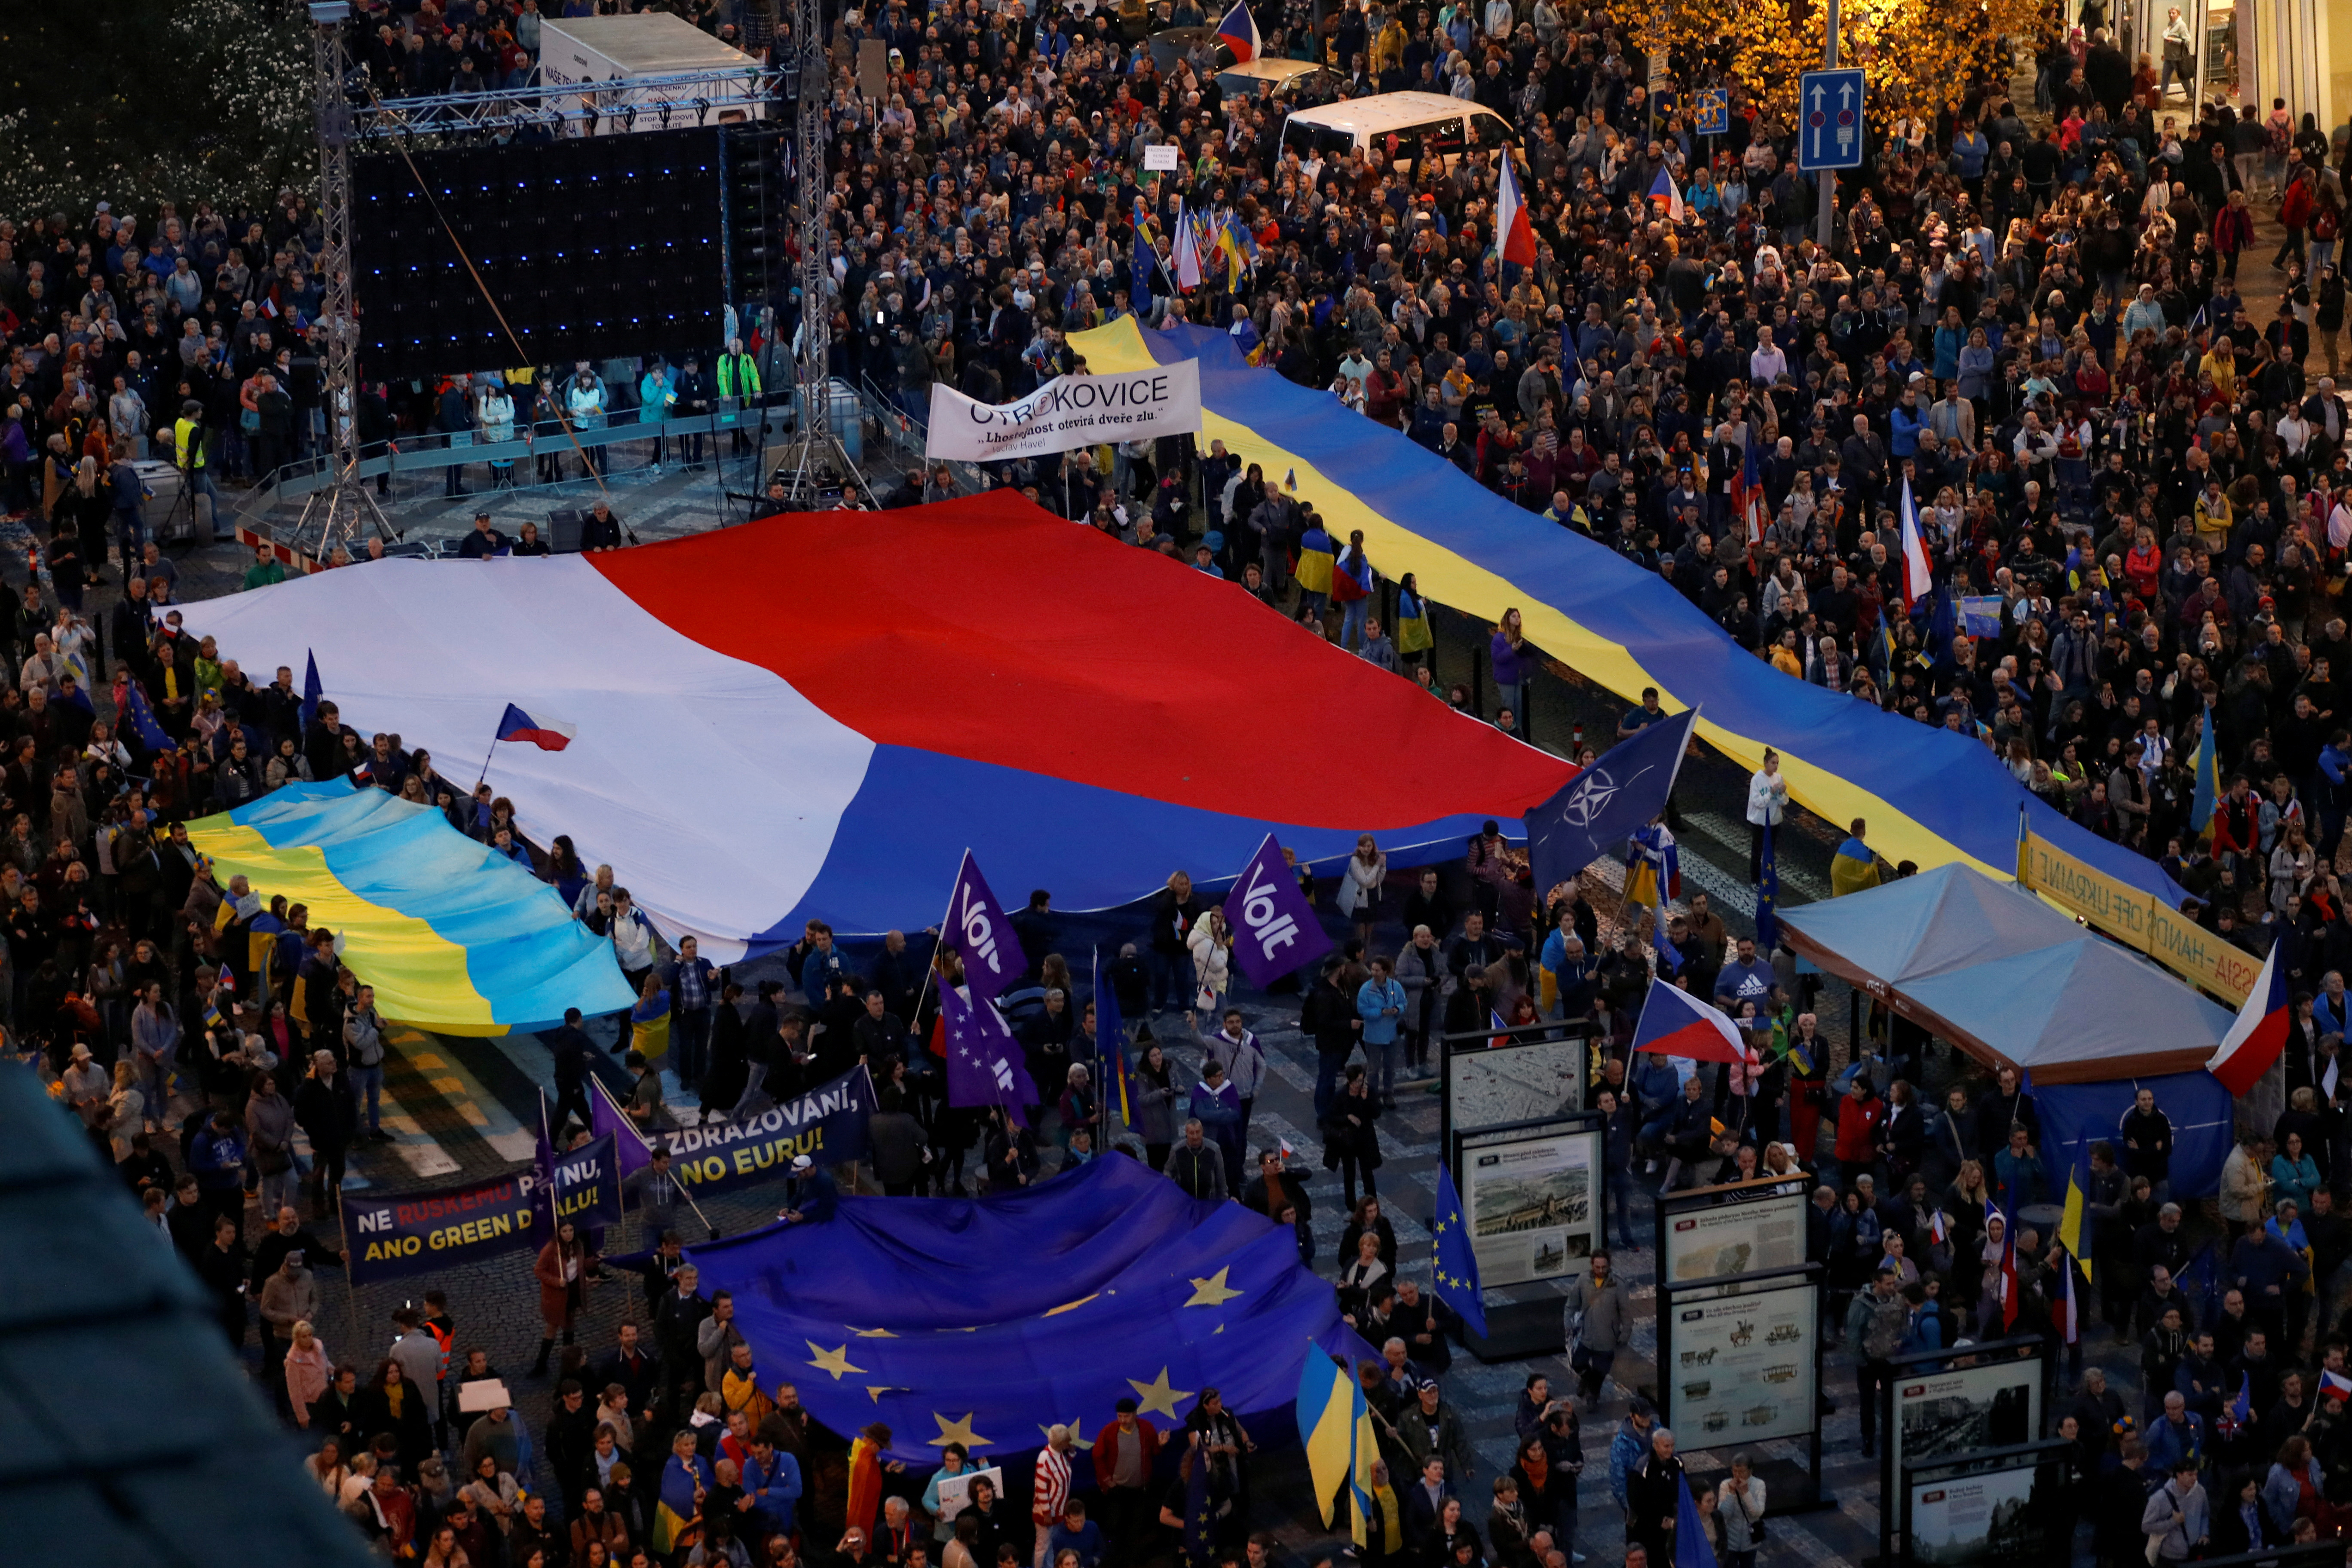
1406	126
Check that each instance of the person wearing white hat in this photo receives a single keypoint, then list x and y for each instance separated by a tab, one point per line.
86	1086
814	1196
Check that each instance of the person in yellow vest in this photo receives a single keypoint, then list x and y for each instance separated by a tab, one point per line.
189	436
739	379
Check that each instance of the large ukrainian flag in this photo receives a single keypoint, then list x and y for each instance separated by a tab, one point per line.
1930	795
454	937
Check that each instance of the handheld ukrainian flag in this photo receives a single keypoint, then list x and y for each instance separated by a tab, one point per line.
1110	1040
2071	1222
1654	867
1455	1264
1327	1401
2207	771
1361	1482
1230	247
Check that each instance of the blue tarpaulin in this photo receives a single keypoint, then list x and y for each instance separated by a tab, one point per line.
1989	966
987	1320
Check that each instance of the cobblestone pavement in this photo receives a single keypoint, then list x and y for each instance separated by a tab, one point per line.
461	1108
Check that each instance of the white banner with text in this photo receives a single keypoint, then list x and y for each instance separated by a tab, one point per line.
1066	413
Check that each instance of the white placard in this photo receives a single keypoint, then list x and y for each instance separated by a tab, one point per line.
1160	155
955	1491
1068	411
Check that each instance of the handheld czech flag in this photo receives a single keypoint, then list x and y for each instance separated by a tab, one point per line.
1515	236
1664	189
2259	1034
1939	1230
1238	32
547	735
1187	250
2068	1319
1919	572
1495	1021
2335	1385
1676	1024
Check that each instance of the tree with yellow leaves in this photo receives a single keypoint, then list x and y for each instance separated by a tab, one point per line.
1918	57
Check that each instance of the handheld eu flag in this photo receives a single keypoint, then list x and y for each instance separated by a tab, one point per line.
1110	1044
1691	1548
1768	899
1453	1264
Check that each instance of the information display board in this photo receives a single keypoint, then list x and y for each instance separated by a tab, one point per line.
1745	1227
1532	1195
1740	1361
1982	1508
1940	1405
1537	1071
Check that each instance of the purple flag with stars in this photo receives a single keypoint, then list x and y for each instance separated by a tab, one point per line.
981	933
985	1066
1274	928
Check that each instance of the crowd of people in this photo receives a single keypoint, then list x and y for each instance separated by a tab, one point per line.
2133	487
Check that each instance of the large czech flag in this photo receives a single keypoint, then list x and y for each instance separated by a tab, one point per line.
2259	1036
1238	32
1676	1024
815	717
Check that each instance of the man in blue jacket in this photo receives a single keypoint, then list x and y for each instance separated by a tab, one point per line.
217	1155
772	1484
693	984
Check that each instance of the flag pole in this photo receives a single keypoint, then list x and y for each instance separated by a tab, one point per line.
486	760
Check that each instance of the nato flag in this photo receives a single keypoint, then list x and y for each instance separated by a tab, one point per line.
1606	804
1455	1264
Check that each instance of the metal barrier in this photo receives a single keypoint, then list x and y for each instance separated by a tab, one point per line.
434	450
911	436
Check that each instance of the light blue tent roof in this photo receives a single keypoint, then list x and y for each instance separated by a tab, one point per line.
1937	921
2083	1001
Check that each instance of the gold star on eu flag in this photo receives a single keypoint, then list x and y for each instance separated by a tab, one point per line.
1213	1292
957	1432
835	1361
1157	1397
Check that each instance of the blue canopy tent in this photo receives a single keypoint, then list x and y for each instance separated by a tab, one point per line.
2015	982
987	1320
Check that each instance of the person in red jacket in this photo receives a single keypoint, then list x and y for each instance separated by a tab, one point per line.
1859	1114
2294	212
2233	231
1124	1452
2237	825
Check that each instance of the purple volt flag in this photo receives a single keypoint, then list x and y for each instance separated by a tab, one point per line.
630	1151
985	1066
979	933
1274	928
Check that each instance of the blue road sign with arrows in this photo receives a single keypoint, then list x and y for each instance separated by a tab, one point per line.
1829	109
1712	111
